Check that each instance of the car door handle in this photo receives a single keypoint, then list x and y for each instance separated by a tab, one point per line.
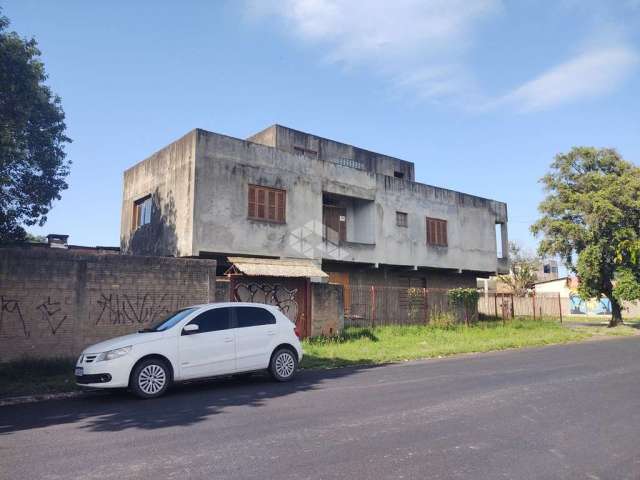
228	339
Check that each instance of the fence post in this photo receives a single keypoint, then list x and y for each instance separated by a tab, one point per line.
513	311
495	302
426	306
560	307
373	306
533	299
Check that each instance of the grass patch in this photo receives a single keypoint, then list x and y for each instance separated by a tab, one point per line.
31	376
399	343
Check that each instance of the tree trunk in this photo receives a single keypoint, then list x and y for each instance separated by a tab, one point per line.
616	312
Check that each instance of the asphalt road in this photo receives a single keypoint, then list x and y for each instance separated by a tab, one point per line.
557	412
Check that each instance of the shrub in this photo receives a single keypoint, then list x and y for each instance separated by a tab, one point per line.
464	302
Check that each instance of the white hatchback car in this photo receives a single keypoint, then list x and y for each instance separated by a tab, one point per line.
196	342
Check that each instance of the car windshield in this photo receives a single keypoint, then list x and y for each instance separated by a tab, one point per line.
170	320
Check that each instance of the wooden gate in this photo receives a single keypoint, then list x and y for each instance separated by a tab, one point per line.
290	295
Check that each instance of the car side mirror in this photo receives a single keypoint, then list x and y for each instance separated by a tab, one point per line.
190	328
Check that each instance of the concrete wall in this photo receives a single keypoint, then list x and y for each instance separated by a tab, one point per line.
327	309
225	166
54	303
286	139
168	176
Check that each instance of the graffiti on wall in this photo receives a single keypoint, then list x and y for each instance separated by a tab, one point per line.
125	309
271	294
11	319
15	313
52	314
592	306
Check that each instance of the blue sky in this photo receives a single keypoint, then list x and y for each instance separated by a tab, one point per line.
480	94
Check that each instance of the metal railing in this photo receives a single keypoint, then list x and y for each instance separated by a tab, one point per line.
348	162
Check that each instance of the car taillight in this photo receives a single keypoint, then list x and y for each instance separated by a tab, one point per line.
295	330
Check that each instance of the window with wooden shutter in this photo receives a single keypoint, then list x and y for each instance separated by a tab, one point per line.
267	204
437	232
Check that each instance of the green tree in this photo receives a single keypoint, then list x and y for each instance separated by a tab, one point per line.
31	238
591	218
32	137
523	271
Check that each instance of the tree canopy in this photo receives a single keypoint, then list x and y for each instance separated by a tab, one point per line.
591	218
523	271
32	137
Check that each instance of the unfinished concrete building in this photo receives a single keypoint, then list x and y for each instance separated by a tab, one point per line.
360	216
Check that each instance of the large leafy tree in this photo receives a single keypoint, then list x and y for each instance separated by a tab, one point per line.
591	218
32	137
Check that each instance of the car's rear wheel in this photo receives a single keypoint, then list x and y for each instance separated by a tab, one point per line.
283	365
150	378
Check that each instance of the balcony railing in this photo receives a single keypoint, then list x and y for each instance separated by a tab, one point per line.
348	162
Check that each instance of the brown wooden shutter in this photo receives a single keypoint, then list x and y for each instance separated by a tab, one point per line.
252	201
266	203
261	213
281	206
444	233
271	207
437	232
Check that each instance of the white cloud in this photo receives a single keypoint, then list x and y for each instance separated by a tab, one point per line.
590	74
414	42
421	47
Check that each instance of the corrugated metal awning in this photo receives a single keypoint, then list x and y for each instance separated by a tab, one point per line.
275	267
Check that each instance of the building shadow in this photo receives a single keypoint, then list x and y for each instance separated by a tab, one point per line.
158	237
184	405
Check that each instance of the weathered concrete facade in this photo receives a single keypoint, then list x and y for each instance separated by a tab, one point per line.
200	183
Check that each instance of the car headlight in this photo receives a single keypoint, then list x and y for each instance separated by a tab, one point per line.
112	354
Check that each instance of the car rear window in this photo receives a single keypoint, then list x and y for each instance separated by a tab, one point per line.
253	317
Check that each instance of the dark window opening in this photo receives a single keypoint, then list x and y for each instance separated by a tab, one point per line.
401	219
267	204
437	232
398	174
213	320
253	317
142	211
546	268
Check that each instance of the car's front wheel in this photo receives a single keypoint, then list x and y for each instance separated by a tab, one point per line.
283	365
150	378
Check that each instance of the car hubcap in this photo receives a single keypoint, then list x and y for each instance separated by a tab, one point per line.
285	364
151	379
